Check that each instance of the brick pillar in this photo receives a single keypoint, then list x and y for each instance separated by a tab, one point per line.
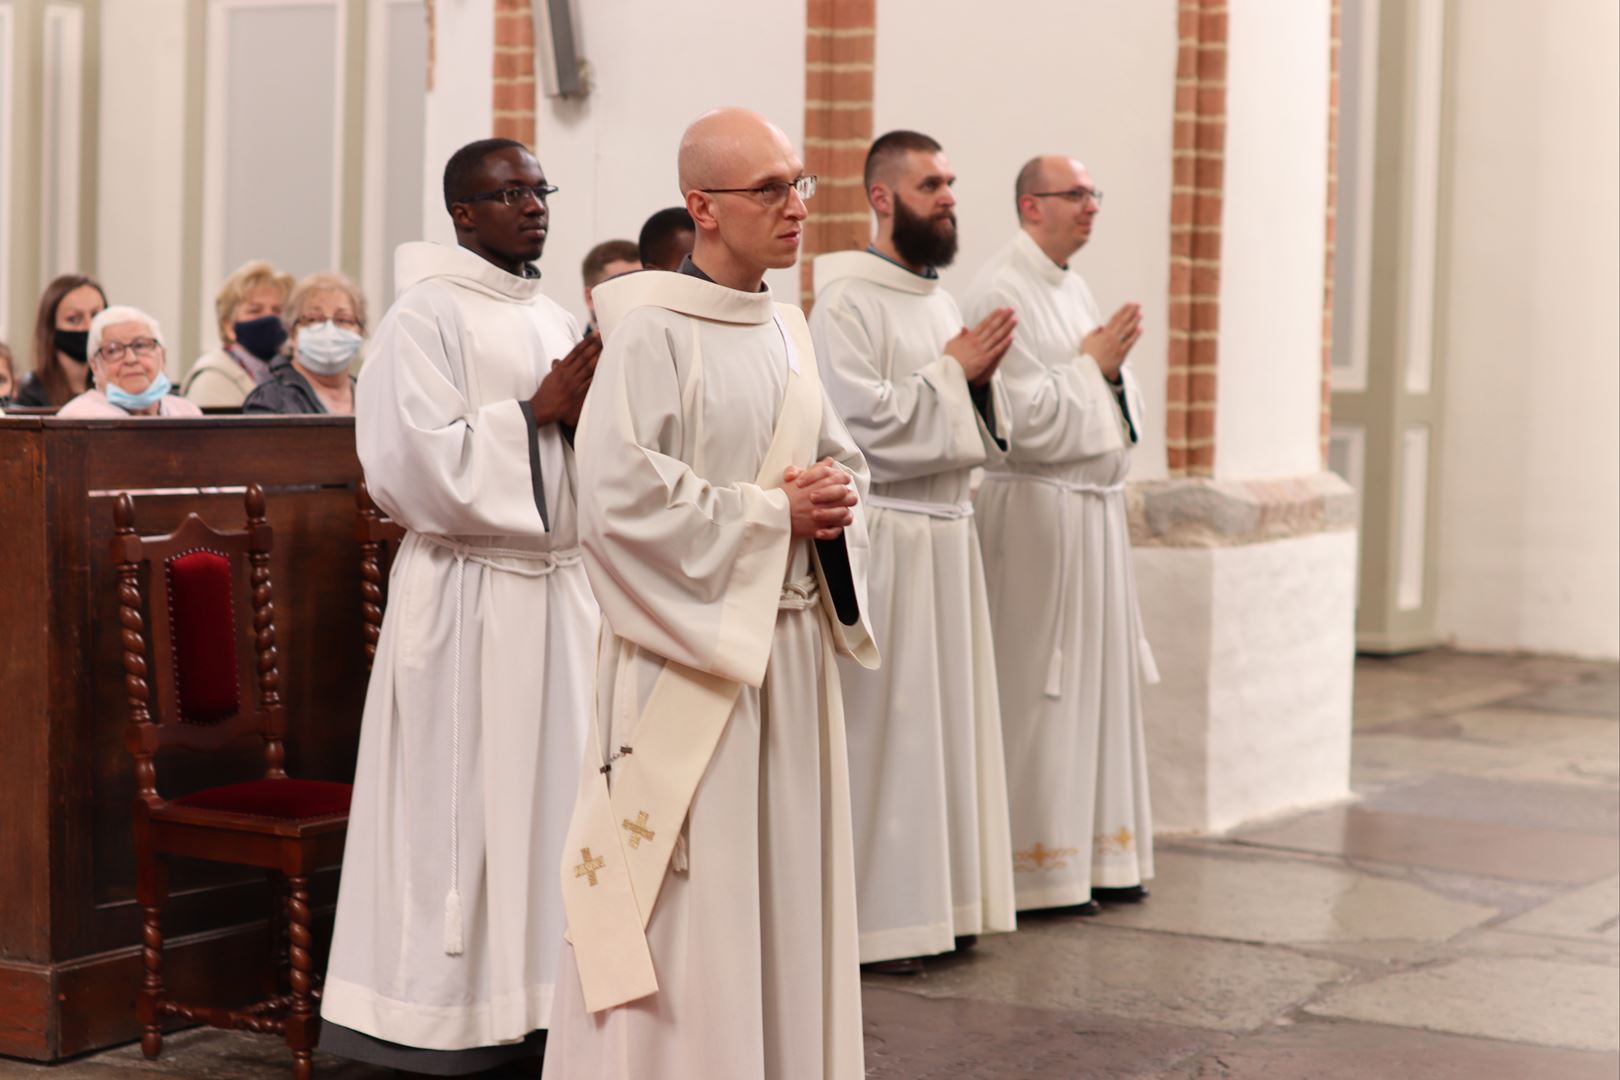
1331	216
1195	237
514	92
839	50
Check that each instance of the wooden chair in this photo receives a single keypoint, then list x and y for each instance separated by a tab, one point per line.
190	695
379	538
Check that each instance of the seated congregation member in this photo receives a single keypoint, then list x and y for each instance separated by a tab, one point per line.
127	356
606	260
61	333
326	317
8	375
666	239
249	311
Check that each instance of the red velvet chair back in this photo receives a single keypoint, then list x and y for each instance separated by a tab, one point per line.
200	664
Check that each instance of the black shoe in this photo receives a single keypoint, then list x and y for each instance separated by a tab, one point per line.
966	941
1128	894
1085	910
910	965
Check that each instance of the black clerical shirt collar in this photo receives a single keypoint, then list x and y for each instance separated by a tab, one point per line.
928	271
690	269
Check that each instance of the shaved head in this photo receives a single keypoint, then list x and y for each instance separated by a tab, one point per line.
739	174
721	145
1032	177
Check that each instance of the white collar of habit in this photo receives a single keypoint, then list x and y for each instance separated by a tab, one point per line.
869	267
683	293
1037	260
423	260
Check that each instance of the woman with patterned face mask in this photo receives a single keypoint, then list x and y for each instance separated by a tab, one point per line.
249	307
326	318
126	353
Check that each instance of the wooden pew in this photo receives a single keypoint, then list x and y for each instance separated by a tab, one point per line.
69	928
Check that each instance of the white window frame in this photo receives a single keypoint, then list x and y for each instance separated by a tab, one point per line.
62	135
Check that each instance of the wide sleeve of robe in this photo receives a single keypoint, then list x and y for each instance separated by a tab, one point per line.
682	567
435	463
844	561
1063	411
917	425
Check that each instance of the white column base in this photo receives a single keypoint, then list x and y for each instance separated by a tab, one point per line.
1255	642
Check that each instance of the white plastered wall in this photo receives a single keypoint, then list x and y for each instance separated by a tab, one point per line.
460	106
140	201
1529	526
1268	396
655	69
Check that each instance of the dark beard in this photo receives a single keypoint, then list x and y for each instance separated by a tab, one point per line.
919	240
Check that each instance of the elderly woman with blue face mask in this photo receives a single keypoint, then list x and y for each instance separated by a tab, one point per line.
126	354
326	325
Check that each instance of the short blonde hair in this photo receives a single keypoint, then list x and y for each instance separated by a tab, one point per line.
325	279
117	315
247	277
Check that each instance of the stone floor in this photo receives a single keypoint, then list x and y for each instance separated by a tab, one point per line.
1460	920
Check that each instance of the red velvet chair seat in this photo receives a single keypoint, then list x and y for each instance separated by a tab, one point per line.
285	800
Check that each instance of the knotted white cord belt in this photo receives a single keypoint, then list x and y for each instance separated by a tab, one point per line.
800	594
1054	666
943	511
529	564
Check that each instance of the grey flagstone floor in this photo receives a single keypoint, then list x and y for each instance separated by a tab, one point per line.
1459	920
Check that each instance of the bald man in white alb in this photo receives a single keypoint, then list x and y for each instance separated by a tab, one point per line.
1070	652
721	531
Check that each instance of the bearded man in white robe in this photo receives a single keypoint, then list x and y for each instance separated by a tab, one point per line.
1070	652
919	392
708	870
449	917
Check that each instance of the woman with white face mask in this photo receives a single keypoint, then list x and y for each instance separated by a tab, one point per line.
126	353
326	326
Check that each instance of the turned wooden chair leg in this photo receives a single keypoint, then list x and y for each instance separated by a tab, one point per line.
302	1022
280	981
152	889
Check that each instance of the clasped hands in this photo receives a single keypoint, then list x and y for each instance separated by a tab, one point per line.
1110	343
819	499
562	392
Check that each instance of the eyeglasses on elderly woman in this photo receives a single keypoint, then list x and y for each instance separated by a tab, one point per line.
114	352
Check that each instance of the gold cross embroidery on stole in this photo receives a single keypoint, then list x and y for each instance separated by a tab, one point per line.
590	866
638	829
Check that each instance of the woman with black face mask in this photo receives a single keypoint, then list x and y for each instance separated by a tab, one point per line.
250	333
61	332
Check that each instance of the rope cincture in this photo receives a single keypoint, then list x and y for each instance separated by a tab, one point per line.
542	563
1054	666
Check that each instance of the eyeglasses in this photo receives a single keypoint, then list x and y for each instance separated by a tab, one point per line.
772	194
115	351
342	322
1074	195
514	196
